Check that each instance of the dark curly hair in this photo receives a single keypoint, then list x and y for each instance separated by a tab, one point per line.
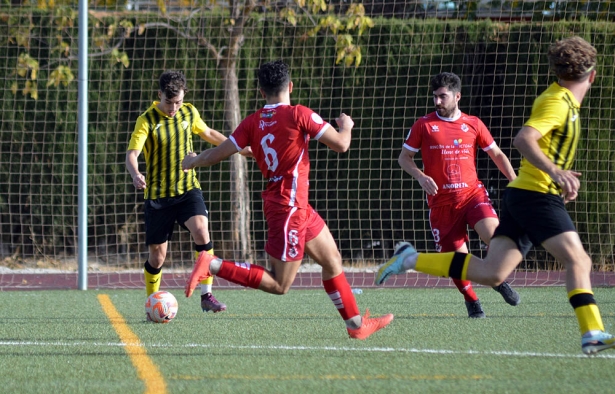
446	80
572	59
273	77
172	82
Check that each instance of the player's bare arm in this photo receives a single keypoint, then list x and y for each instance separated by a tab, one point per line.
407	163
216	138
209	157
502	162
339	141
526	142
132	165
212	136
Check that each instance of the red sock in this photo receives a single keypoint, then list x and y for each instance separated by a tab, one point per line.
245	274
465	288
340	293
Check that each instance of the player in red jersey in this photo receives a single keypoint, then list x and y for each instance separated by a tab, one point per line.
449	139
279	135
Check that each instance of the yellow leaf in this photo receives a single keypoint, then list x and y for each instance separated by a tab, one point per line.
125	60
340	56
348	61
358	57
162	6
128	27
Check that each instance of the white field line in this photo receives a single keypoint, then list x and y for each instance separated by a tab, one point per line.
316	348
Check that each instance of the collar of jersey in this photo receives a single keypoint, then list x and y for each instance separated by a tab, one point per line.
454	118
269	106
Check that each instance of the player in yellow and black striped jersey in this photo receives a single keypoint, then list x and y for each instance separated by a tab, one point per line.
164	134
533	208
164	140
555	116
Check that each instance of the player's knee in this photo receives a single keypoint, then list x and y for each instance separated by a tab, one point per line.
495	279
156	263
156	260
280	290
580	263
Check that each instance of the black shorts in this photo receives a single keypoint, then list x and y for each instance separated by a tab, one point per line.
162	213
529	217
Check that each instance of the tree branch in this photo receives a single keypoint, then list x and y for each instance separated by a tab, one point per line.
200	40
90	55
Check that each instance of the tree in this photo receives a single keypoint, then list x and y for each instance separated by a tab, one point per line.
346	23
345	28
107	40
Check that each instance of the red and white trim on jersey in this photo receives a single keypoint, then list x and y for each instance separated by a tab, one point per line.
322	131
293	191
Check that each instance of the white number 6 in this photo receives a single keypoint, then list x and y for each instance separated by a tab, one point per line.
271	157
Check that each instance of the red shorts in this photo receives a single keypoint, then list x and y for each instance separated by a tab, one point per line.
289	229
449	224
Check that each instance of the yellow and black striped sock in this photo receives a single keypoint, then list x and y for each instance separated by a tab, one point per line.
588	314
152	278
451	264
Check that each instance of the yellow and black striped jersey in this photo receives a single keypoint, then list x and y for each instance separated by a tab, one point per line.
555	114
164	141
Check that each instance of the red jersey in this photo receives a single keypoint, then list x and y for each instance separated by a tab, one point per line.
279	135
449	154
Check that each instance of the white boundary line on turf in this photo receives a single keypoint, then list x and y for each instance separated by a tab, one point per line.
318	348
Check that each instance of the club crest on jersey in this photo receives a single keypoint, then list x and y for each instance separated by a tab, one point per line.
464	127
185	124
267	115
435	128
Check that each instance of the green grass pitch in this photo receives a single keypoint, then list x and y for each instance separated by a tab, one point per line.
65	342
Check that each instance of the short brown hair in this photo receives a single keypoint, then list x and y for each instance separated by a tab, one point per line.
172	82
572	59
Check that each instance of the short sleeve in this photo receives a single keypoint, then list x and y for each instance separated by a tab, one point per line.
484	138
414	138
139	135
311	123
548	115
198	125
240	136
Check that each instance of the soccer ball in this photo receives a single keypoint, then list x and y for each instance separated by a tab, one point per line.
161	307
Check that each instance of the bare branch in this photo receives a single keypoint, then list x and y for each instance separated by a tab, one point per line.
200	40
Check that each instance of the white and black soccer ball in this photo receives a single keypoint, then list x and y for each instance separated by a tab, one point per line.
161	307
